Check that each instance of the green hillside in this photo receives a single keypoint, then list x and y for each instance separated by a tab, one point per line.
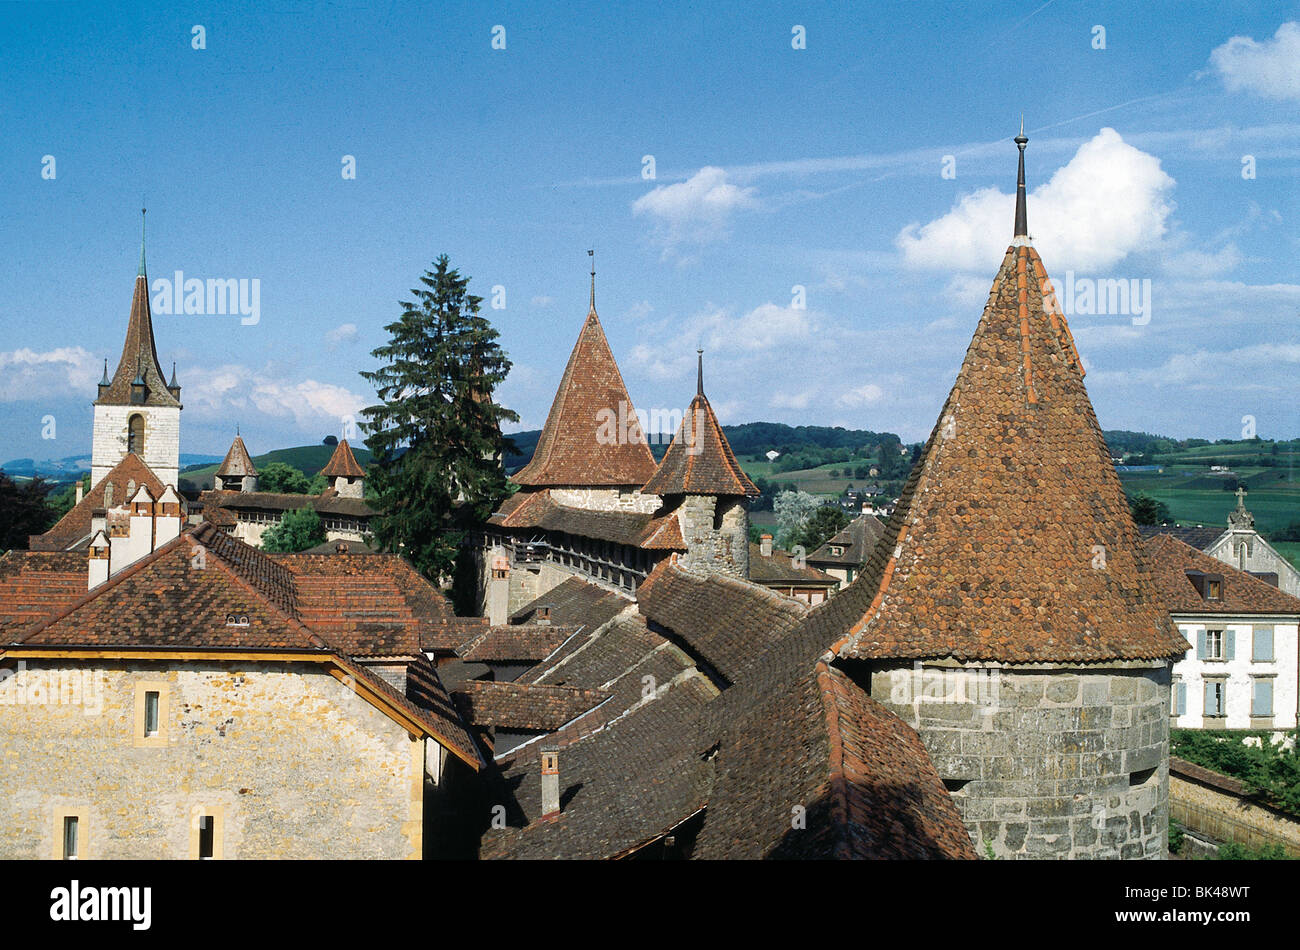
308	459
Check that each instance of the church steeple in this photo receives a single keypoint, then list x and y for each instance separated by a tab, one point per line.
592	254
1022	225
141	271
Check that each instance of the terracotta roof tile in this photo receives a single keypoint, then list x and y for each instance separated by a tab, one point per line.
527	706
779	568
1242	593
515	643
237	461
700	461
75	525
857	541
1012	540
139	355
538	509
575	602
343	463
37	584
573	448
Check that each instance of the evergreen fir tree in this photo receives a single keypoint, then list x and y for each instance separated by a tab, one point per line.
436	433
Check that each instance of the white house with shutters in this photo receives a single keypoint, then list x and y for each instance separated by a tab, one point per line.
1242	663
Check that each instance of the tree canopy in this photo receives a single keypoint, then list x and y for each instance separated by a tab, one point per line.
298	530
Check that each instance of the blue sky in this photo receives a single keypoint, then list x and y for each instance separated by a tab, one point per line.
775	167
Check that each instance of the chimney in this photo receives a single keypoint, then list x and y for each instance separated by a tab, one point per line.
97	571
80	489
550	782
341	548
765	545
543	614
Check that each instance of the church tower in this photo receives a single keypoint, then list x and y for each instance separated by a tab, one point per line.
137	411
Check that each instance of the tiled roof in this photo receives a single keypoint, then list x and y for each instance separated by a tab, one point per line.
857	541
528	706
805	742
327	503
537	509
206	590
575	602
139	355
779	568
1242	593
36	584
237	461
526	643
1012	540
574	447
730	623
343	462
75	525
349	547
1199	537
700	461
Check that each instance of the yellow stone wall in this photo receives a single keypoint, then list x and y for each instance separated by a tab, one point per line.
292	762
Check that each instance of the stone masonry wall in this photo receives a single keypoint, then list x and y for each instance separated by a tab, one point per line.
1054	761
606	499
162	440
294	762
716	531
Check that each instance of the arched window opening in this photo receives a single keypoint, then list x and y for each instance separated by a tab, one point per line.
135	435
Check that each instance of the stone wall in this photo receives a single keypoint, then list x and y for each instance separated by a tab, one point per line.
162	440
716	531
606	499
294	763
1052	762
1218	806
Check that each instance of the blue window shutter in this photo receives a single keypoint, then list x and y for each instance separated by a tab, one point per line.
1263	698
1200	644
1208	705
1229	637
1262	645
1182	699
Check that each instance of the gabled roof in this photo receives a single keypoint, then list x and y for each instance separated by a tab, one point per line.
699	461
525	706
36	584
139	356
574	447
1199	537
1242	592
206	591
779	568
515	643
237	461
576	602
219	505
1012	540
343	463
857	540
74	526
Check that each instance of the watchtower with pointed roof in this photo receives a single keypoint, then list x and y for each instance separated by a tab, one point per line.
701	482
1008	612
137	410
592	452
237	471
346	476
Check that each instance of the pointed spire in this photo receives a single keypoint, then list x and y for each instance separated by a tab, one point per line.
699	372
1022	225
592	254
142	214
172	384
105	381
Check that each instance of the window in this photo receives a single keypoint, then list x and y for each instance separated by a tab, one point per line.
1261	645
71	824
151	713
836	550
1215	696
1213	589
1179	700
1261	697
1215	645
206	828
135	435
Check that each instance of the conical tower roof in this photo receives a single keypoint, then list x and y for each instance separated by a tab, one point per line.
237	462
591	436
700	460
139	353
1012	540
343	463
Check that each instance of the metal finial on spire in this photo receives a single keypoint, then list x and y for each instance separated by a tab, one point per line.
172	384
142	214
105	381
699	372
592	254
1022	224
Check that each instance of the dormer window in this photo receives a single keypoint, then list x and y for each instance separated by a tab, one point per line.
836	550
1213	589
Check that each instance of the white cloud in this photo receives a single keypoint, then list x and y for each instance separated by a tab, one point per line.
227	391
343	333
1270	68
1110	199
866	395
27	375
697	210
1193	263
800	400
542	301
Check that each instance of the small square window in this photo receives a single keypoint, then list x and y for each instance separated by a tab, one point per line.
1214	590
